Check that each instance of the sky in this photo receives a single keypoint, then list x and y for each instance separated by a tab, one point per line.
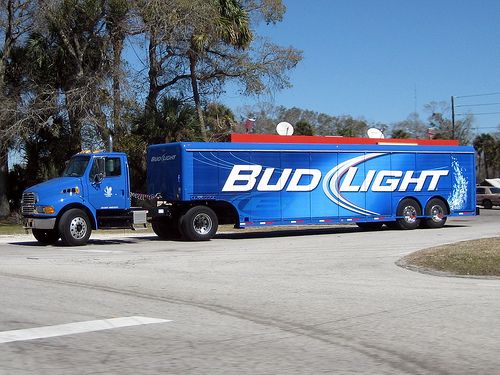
382	60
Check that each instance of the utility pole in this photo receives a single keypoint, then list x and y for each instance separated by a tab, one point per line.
452	117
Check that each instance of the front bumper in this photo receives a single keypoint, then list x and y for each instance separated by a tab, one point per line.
35	223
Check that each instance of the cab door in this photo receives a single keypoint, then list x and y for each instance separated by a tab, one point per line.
108	187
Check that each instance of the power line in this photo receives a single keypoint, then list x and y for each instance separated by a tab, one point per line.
474	95
485	127
476	105
478	114
473	105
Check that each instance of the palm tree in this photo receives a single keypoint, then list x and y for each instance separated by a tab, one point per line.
400	134
219	121
116	24
485	146
232	28
303	127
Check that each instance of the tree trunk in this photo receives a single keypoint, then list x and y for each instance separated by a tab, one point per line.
4	144
486	163
118	131
196	94
4	173
7	43
151	100
75	121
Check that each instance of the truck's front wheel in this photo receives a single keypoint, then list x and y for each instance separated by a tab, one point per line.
46	236
75	227
199	223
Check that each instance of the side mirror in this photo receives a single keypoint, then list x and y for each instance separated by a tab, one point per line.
98	170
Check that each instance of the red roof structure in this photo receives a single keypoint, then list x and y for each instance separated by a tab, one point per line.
305	139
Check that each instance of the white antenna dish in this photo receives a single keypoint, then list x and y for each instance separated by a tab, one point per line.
375	133
284	128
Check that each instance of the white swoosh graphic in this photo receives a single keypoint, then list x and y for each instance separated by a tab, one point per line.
331	183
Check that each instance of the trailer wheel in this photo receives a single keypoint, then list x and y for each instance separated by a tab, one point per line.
46	236
75	227
409	209
166	229
199	224
437	211
370	226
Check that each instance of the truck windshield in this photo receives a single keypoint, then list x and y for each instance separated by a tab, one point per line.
76	166
495	190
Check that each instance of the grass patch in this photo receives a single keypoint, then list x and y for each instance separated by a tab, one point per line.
468	258
8	228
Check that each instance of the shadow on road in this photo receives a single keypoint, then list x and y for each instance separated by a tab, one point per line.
97	241
284	233
250	233
295	232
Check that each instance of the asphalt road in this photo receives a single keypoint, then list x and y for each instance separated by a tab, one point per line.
285	302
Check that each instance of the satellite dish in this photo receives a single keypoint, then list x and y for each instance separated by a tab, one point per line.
375	133
284	128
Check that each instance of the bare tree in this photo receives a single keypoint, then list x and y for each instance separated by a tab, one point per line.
413	127
444	129
16	18
77	34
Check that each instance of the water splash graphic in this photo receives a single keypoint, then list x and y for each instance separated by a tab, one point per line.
458	197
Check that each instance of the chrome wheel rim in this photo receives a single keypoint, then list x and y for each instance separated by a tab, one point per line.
437	213
410	214
202	223
78	228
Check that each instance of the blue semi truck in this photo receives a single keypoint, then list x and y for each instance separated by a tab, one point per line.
193	187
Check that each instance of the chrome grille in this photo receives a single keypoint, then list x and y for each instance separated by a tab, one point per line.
28	203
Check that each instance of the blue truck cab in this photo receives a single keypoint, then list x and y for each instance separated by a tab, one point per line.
92	193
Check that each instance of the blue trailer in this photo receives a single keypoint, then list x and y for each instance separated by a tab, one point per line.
197	186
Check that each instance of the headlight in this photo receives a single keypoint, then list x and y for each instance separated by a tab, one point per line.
48	210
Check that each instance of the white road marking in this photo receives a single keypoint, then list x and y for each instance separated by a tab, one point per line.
74	328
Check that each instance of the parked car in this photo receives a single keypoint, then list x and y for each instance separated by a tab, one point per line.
487	196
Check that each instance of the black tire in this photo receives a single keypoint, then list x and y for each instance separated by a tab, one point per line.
437	209
409	209
487	204
370	226
166	229
75	227
46	236
199	223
